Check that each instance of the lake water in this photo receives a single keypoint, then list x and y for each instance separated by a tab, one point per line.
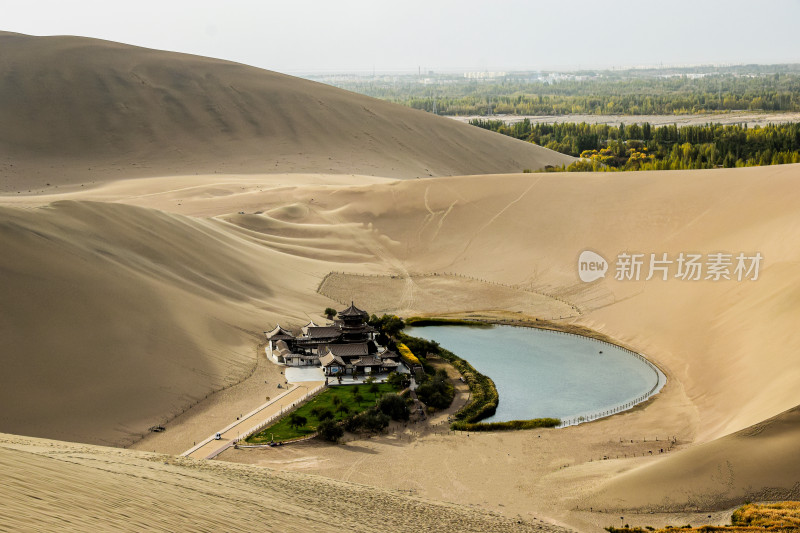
541	373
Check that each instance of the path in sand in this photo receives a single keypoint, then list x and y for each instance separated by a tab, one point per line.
211	447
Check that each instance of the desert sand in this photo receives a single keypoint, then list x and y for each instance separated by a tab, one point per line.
77	111
131	300
54	485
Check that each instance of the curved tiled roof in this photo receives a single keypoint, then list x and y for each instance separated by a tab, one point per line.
311	324
279	333
353	311
349	350
324	332
367	361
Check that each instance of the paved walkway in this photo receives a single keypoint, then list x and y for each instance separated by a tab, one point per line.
210	447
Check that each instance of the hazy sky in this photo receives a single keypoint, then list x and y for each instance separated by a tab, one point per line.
359	35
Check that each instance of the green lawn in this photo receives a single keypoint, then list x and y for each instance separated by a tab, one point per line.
282	431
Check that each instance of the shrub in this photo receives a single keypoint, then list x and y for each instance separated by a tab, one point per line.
512	424
330	431
394	407
418	348
325	414
436	391
371	420
387	324
408	357
398	381
297	421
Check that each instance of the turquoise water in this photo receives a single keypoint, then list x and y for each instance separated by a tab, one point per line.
540	373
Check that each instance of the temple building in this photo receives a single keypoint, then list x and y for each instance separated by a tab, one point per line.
346	346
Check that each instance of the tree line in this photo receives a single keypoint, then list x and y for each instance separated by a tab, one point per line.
596	93
604	147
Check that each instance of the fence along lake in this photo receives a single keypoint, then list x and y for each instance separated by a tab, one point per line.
542	373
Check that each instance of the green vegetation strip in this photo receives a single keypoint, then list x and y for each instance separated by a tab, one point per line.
342	401
511	424
605	148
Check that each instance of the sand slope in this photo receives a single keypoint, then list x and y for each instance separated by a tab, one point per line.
56	486
77	110
115	318
754	464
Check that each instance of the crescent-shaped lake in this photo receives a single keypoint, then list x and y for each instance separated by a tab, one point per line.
541	373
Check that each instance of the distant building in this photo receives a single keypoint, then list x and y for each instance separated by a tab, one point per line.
346	346
485	75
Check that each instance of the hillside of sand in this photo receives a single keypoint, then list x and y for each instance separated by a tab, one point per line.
727	346
78	111
127	302
58	486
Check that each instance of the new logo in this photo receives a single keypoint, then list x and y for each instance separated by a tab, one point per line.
591	266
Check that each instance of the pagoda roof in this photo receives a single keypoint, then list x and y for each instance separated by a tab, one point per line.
358	328
279	333
353	311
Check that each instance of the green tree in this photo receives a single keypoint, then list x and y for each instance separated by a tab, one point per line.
296	421
370	420
394	407
389	325
398	380
330	312
330	431
436	391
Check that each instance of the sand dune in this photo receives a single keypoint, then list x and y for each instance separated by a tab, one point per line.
115	318
754	464
79	110
57	486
